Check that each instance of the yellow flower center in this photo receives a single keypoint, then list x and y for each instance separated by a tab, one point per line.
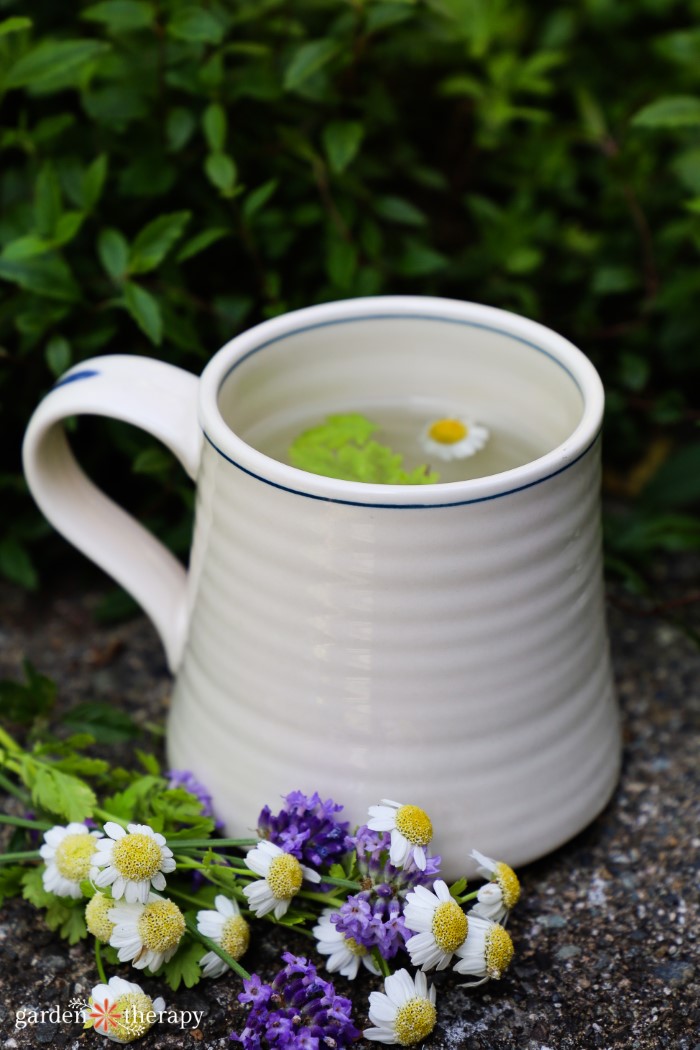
137	1016
499	951
284	876
448	431
509	884
96	917
450	926
414	1021
73	856
414	824
235	936
161	926
136	856
355	948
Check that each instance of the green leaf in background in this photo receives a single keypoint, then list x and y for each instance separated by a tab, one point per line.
155	240
396	209
184	966
51	60
179	127
677	481
145	310
62	794
47	200
93	182
58	355
679	111
307	60
120	16
47	275
258	198
196	24
14	25
152	460
24	702
215	124
341	141
201	241
106	723
221	171
113	250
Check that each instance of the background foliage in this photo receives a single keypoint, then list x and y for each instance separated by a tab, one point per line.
171	172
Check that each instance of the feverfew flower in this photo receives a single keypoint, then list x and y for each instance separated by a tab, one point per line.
131	861
227	927
97	918
453	438
410	827
487	951
440	925
68	854
147	935
344	953
405	1013
496	898
121	1010
281	879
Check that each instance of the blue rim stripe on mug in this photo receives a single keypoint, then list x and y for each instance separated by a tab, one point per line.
402	506
72	377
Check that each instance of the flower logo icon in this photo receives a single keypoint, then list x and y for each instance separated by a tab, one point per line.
104	1016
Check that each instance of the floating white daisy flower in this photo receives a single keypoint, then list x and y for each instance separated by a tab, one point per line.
410	827
131	861
68	852
97	918
405	1013
344	953
227	927
453	438
121	1010
282	876
439	923
146	935
496	898
487	951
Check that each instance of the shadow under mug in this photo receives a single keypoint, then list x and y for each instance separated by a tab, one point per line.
443	645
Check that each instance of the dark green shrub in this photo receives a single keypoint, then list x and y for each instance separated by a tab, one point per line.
174	171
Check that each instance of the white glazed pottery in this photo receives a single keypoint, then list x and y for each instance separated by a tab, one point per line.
442	645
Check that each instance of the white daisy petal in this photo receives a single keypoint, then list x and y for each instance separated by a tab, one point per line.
404	1013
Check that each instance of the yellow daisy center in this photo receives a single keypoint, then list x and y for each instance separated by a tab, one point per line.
414	824
235	936
284	876
509	884
499	951
136	856
450	926
73	856
354	947
161	925
448	431
96	917
137	1016
414	1021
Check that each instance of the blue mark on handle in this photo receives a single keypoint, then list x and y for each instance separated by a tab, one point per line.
74	376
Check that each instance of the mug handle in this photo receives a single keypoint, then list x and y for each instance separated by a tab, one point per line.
162	400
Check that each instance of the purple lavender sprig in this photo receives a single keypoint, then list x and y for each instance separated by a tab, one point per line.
307	828
298	1011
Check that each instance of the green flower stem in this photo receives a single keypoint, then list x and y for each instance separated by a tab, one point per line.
208	843
181	895
98	962
381	962
330	902
23	822
10	858
214	947
7	741
468	897
13	789
184	861
345	883
104	816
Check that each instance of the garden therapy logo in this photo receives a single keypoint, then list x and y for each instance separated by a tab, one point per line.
104	1016
119	1010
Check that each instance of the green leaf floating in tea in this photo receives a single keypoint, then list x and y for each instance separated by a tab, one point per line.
342	447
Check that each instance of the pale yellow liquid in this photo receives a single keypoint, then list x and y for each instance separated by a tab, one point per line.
400	426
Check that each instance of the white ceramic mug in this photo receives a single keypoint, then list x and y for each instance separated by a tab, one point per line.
443	645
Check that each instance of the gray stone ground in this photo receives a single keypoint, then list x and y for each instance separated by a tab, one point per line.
607	934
